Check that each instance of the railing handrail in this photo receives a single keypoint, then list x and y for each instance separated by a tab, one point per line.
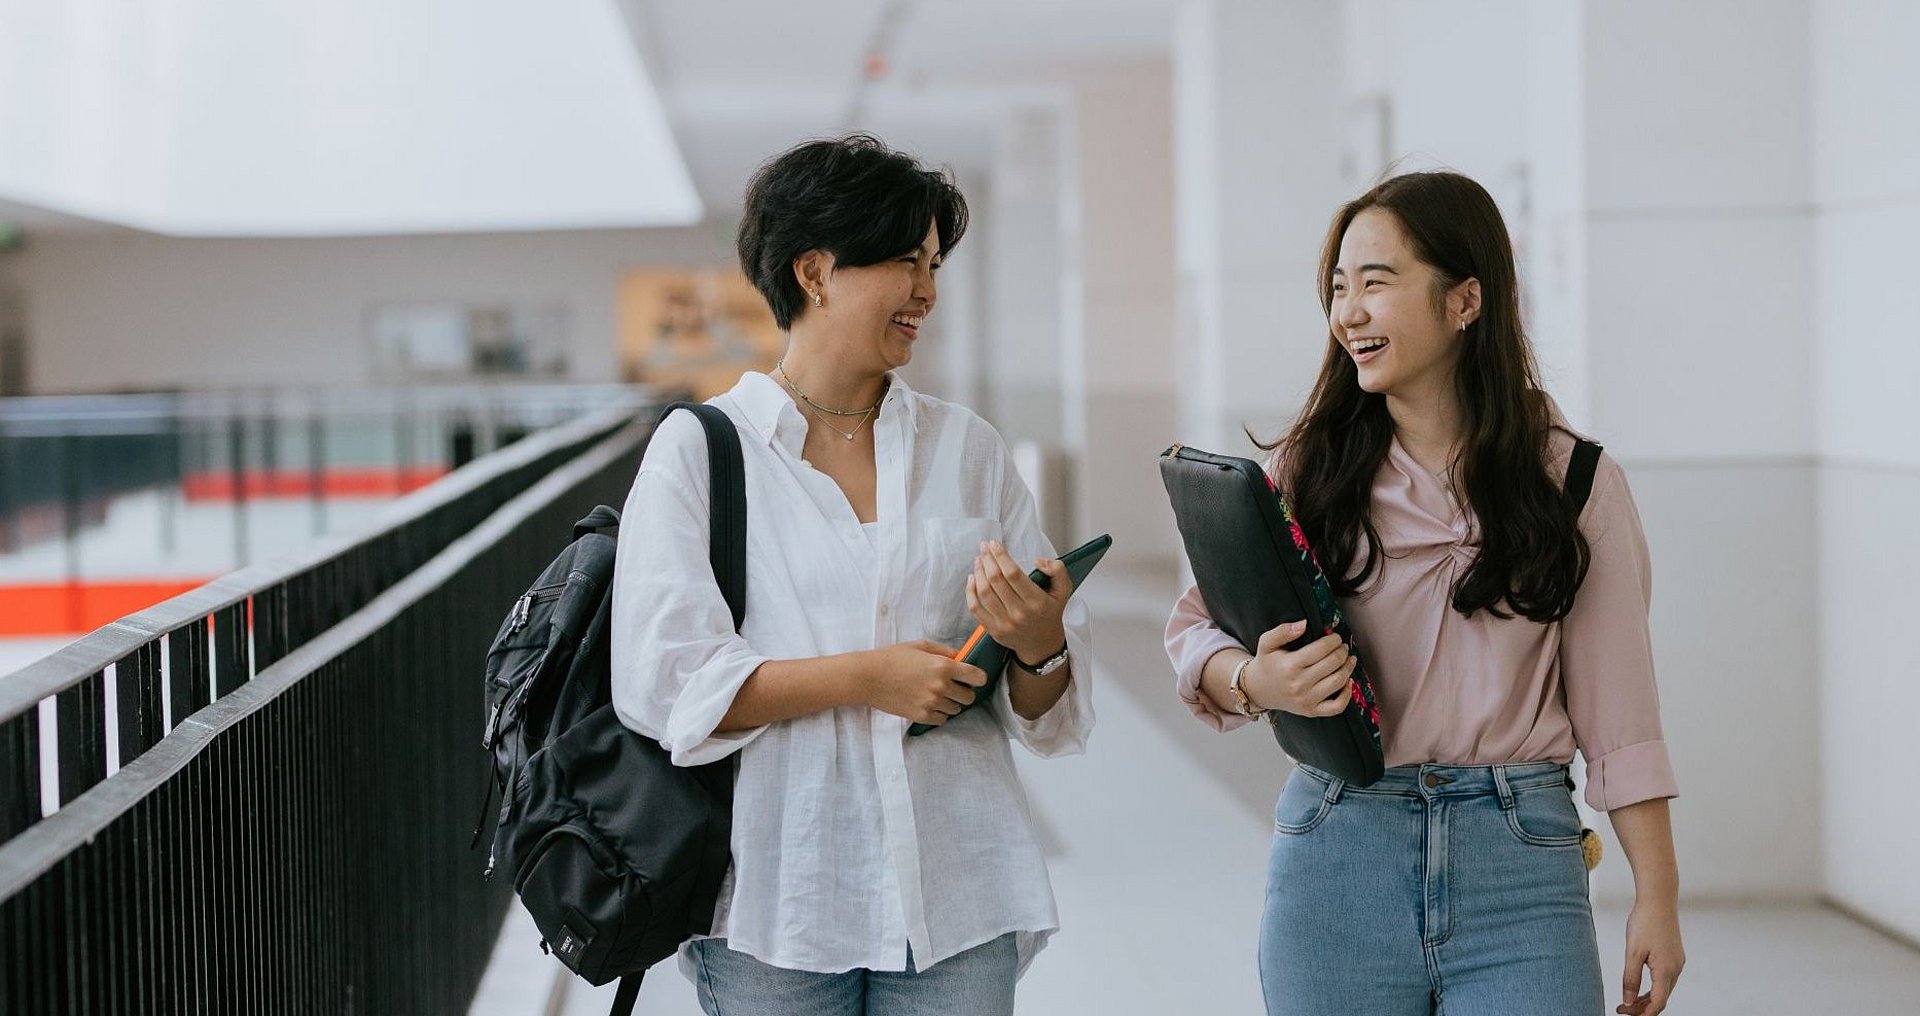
36	849
74	663
156	412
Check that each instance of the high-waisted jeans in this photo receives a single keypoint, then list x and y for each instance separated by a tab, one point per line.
1437	891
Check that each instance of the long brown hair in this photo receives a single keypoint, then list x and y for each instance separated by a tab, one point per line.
1532	555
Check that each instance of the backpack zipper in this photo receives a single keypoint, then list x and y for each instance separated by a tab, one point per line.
522	613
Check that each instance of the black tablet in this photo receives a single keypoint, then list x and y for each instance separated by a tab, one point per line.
983	652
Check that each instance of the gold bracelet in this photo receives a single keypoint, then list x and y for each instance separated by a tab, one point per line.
1247	708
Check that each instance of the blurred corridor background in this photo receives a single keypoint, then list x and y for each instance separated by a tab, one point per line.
267	269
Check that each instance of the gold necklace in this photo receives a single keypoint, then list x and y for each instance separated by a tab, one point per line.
819	409
781	366
848	434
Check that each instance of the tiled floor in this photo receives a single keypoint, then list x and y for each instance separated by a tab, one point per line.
1158	839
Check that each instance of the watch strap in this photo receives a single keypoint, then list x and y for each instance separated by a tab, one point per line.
1052	660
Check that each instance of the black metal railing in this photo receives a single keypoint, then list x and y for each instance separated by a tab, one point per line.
297	767
64	458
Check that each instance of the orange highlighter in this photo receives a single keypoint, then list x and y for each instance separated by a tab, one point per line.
979	632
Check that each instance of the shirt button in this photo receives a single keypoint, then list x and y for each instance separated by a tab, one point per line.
885	610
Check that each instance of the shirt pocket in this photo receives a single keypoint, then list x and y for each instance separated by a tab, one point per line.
944	558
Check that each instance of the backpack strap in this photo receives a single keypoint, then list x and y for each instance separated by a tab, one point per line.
627	995
601	517
726	503
1579	485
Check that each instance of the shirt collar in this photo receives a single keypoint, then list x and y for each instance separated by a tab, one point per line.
770	410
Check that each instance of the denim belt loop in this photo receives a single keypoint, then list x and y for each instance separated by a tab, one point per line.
1500	785
1335	785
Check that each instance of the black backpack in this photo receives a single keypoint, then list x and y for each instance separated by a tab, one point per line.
616	852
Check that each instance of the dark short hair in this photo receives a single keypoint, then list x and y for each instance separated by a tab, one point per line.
852	197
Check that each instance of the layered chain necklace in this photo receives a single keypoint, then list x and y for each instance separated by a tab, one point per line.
821	412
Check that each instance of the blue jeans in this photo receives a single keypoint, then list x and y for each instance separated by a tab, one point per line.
977	982
1438	891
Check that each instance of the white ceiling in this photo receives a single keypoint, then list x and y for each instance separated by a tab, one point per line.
215	118
742	80
736	81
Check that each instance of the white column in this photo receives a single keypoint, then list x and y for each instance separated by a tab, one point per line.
1674	281
1022	277
1021	216
1258	143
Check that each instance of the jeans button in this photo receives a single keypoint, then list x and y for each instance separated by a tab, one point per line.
1431	780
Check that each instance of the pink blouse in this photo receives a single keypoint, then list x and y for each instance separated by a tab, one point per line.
1484	690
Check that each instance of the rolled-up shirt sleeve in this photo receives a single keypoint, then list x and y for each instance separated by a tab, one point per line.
1192	639
1606	656
677	662
1062	729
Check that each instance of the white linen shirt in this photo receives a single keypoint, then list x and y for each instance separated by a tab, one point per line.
851	840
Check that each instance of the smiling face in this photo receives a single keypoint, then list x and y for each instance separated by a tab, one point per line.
1392	313
876	311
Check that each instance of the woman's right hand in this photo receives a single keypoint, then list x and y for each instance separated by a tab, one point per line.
1309	681
920	681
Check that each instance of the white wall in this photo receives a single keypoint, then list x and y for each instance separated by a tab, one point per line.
1449	68
138	311
1866	184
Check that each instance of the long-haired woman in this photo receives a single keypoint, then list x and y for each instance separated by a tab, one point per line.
1502	631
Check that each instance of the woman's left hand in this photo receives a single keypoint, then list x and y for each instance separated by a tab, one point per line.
1653	945
1017	613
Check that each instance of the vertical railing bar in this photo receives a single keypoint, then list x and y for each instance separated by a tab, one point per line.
79	742
20	782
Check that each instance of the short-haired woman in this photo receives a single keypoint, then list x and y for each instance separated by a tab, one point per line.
873	871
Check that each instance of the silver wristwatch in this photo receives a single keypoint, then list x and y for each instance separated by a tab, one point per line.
1045	667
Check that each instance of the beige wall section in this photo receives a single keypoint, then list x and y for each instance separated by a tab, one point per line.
126	311
1118	378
